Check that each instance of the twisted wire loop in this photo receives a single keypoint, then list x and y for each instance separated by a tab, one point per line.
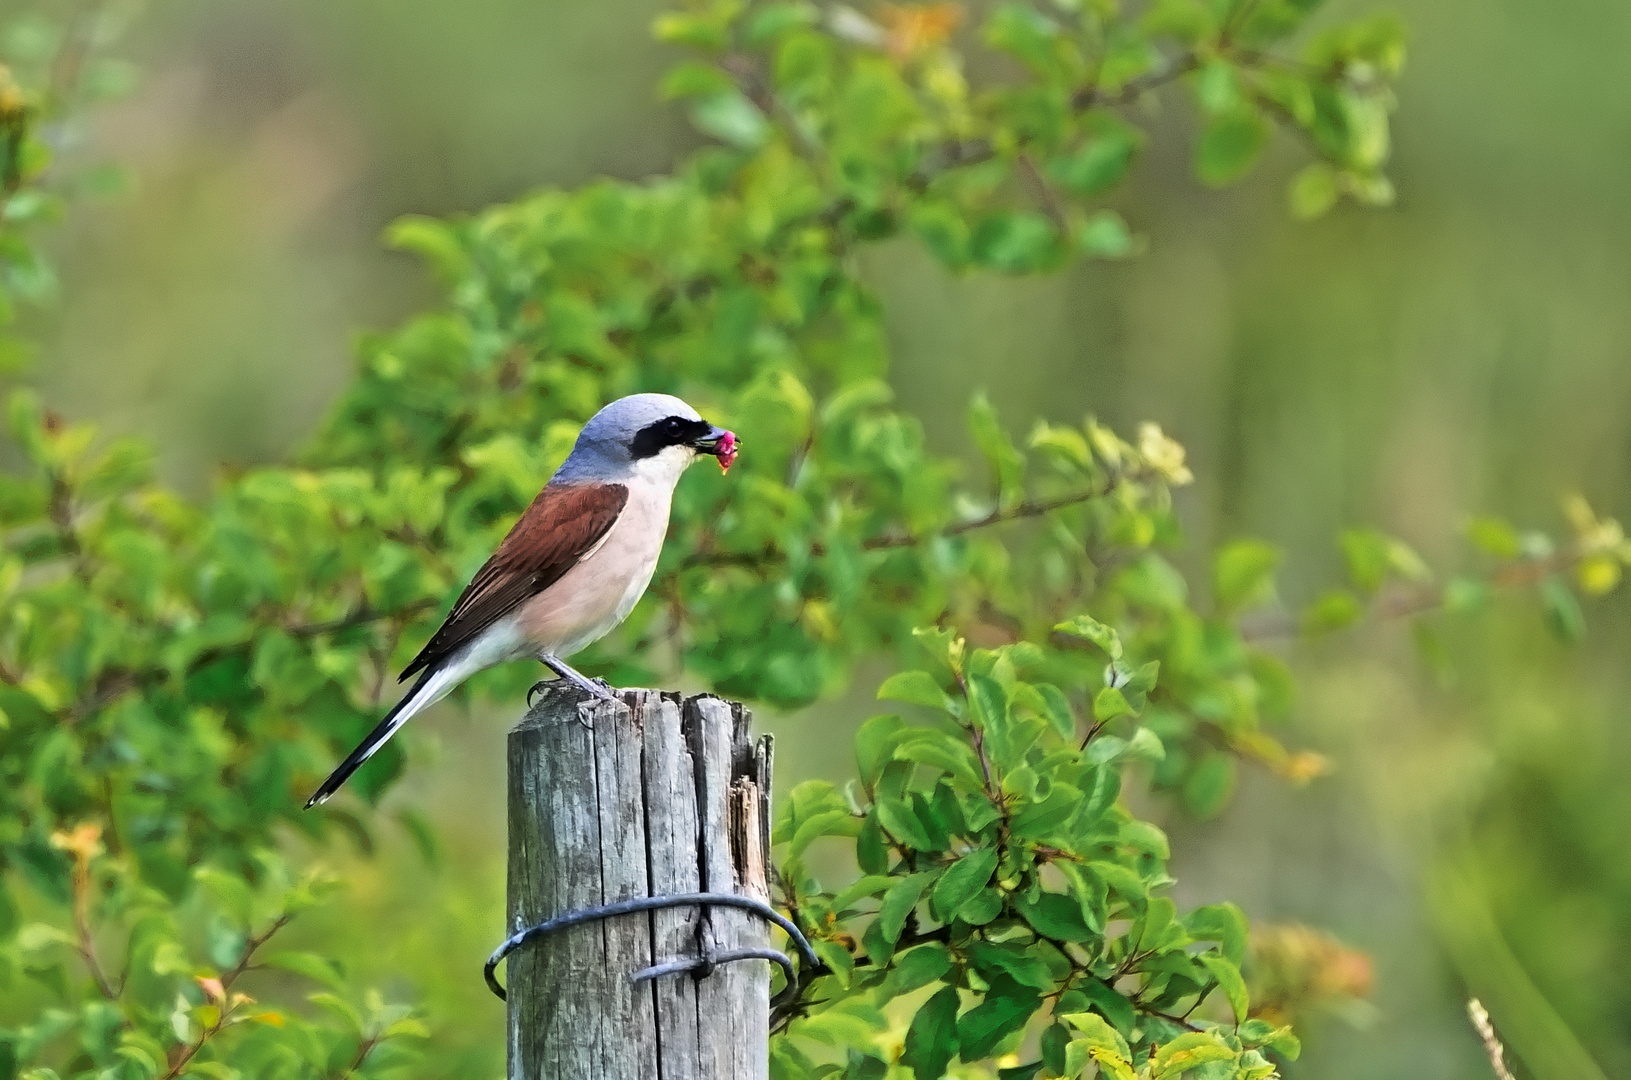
703	964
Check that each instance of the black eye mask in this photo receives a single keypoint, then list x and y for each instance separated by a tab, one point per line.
673	431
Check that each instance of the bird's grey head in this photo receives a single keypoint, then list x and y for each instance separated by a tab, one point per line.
651	435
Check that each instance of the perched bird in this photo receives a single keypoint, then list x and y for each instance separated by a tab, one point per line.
574	565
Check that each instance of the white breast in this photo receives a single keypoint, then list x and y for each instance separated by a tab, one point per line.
600	591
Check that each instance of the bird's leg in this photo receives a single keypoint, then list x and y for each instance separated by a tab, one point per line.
596	687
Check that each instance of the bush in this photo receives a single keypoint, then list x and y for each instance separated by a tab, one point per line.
175	675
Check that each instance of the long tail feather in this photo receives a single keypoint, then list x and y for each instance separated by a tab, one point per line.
431	686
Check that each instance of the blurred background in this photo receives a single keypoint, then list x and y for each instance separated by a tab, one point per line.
1465	352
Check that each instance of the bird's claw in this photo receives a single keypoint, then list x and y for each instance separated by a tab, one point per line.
598	688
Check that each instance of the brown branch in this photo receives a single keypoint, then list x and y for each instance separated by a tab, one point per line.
366	1048
1179	1020
1051	203
1408	601
1133	89
226	1005
1028	509
82	926
251	947
116	682
361	617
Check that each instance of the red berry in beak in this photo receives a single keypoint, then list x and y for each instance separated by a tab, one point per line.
725	451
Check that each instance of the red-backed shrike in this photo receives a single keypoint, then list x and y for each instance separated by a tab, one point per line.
574	565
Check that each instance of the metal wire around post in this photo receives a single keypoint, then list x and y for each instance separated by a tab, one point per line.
657	903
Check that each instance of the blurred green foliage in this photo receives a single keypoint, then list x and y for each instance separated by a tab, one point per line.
177	673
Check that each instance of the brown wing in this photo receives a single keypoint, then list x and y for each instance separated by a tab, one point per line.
563	523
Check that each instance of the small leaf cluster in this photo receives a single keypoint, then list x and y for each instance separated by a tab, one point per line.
1008	900
51	69
167	982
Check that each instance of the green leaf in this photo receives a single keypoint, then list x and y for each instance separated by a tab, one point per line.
230	891
827	823
1015	242
317	968
1334	610
1285	1043
731	118
1222	923
1007	464
1114	1006
1101	161
903	824
1016	962
1105	637
1210	784
1366	553
1188	1051
1495	537
931	1040
1128	885
771	21
694	79
914	688
1156	925
940	750
1006	1008
1104	235
1313	191
700	30
915	968
342	1009
898	903
990	701
805	801
1097	1032
838	958
871	853
1563	609
1227	974
1243	574
1229	145
985	906
1024	33
1110	704
1056	707
962	880
875	745
867	885
1056	916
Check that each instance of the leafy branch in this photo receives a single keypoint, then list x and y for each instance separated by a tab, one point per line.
219	995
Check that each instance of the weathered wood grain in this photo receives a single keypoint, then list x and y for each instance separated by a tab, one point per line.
648	797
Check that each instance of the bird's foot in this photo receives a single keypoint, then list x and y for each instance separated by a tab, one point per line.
599	688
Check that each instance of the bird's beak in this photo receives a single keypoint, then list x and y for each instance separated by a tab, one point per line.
720	443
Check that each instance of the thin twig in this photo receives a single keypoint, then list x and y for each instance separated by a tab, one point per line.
226	1006
887	541
82	927
1135	88
1407	601
1492	1042
1180	1021
363	1051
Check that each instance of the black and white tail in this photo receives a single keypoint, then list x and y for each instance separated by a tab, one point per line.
430	688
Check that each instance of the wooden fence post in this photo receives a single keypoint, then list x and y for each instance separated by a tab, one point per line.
649	797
